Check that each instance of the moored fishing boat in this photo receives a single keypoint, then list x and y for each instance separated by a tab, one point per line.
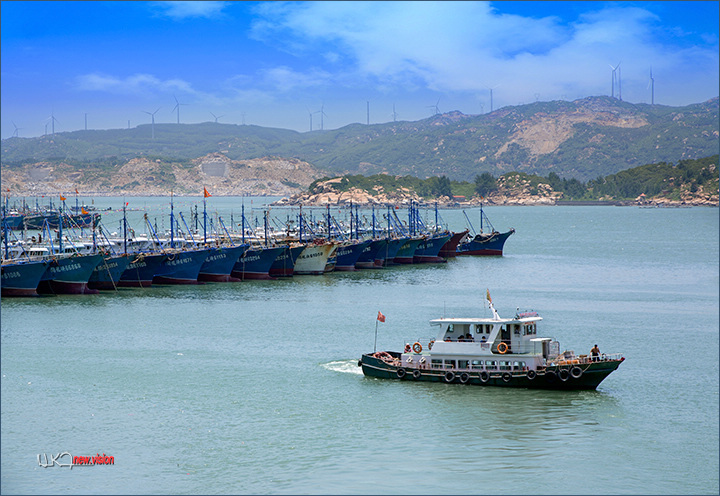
492	351
406	252
140	272
22	277
484	243
220	262
69	274
284	264
348	254
386	256
181	266
369	254
255	262
314	258
449	249
108	272
428	250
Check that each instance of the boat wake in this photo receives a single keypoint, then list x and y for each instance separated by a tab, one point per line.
344	366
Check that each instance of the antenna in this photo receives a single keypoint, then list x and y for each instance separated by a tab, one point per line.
153	120
216	116
177	107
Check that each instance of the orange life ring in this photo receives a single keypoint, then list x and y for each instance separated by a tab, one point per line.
502	348
417	347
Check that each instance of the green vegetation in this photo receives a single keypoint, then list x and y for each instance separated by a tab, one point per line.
605	136
661	179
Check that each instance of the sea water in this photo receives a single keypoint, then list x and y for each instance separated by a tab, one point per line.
254	388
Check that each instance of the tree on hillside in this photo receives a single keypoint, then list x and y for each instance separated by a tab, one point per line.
485	183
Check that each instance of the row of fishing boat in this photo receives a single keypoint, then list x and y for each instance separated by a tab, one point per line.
53	261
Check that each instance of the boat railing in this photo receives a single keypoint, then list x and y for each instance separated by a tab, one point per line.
584	359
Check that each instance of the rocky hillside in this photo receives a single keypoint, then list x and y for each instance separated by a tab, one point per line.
269	176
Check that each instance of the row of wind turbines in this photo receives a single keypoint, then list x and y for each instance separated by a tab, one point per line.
616	85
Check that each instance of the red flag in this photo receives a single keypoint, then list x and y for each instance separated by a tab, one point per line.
207	193
381	317
76	191
62	198
82	210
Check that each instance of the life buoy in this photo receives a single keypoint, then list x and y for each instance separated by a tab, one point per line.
430	344
407	348
417	347
464	377
507	377
576	372
531	375
400	373
449	376
502	348
416	374
564	374
484	376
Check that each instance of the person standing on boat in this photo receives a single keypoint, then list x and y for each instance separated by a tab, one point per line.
595	352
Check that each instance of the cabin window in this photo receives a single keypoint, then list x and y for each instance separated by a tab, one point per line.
451	328
463	364
491	364
518	365
517	329
505	365
477	364
449	364
436	364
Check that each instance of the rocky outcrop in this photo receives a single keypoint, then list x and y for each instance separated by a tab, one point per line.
268	176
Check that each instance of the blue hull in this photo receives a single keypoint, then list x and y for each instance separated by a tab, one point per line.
385	257
255	263
284	264
22	278
369	254
489	245
14	222
428	250
406	253
107	274
181	268
348	255
220	262
140	272
69	275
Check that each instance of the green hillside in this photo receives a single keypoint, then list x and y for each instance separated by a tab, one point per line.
584	139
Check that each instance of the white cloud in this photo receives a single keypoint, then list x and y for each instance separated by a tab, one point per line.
467	46
135	84
189	9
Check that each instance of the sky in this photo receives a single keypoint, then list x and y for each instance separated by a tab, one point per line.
293	65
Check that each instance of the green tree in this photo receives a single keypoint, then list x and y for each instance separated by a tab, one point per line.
485	183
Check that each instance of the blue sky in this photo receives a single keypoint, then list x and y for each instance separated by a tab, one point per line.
275	64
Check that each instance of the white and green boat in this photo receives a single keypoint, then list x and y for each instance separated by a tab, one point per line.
492	351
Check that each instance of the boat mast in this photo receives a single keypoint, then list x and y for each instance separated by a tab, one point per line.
125	228
204	219
172	222
265	217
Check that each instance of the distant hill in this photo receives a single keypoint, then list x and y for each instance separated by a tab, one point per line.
583	139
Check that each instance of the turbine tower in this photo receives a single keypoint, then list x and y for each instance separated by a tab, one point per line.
152	114
394	114
652	83
368	113
491	95
177	107
15	133
322	115
310	114
52	120
85	121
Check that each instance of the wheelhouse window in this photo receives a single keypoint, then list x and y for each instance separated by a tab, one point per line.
437	364
463	364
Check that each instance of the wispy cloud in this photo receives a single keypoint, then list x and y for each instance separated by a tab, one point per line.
189	9
135	84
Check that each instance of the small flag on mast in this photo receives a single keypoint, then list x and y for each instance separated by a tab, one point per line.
62	198
83	211
76	191
381	317
207	193
488	296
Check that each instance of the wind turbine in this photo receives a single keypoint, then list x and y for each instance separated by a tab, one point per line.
243	118
153	120
52	120
177	107
615	78
437	110
322	115
368	112
652	83
394	114
15	134
216	116
85	121
311	114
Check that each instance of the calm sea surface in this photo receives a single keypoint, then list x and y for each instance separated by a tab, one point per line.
254	387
